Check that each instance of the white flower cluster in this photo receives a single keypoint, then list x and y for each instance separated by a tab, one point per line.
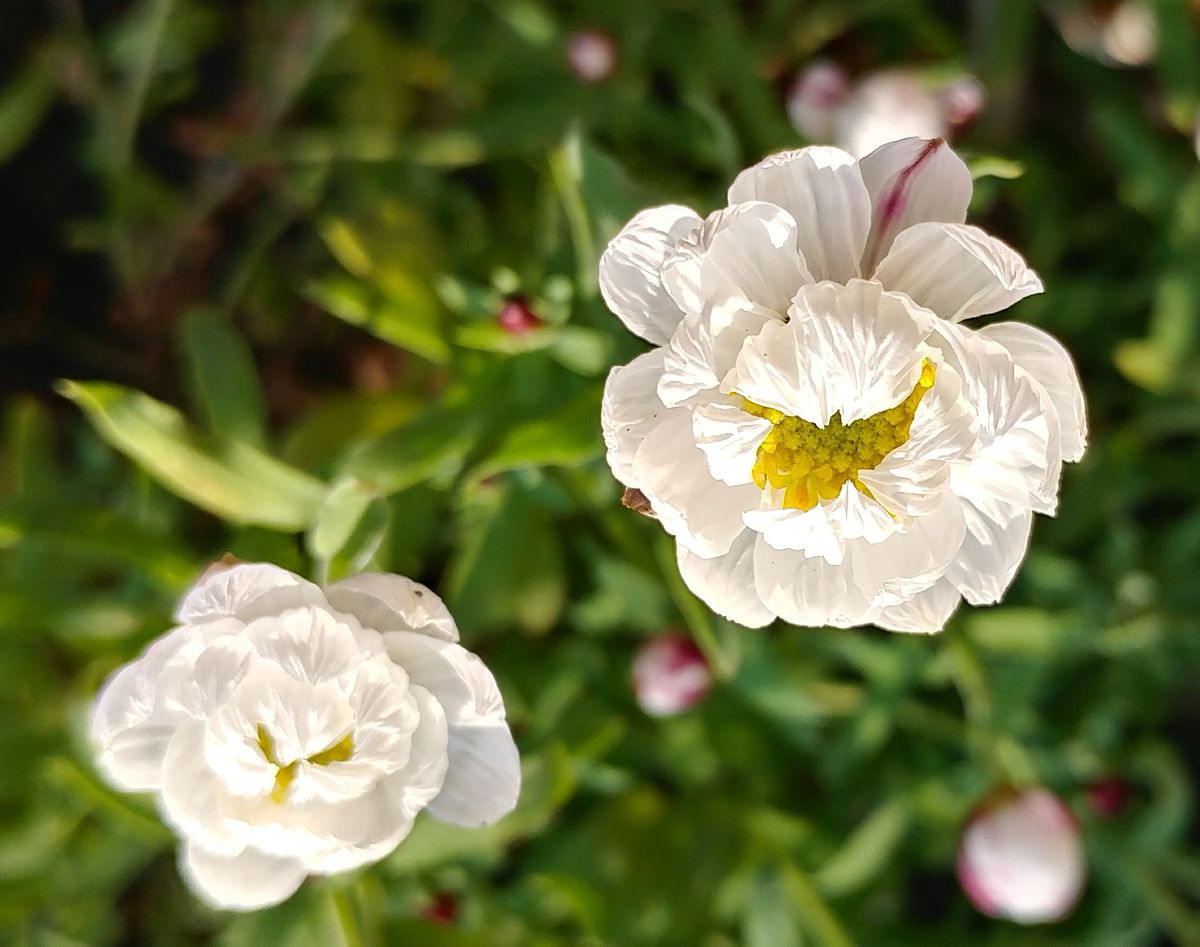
290	730
824	438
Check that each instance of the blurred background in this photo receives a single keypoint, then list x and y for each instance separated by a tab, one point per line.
313	281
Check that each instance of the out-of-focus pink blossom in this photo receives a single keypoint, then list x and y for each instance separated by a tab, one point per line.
825	107
592	55
1118	34
1020	858
670	675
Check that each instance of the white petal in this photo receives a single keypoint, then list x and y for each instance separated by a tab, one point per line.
128	729
1050	365
484	778
909	479
195	685
1019	458
726	584
747	251
925	613
415	786
630	279
702	512
825	529
911	181
991	554
729	438
133	758
458	680
246	591
393	603
705	347
852	349
911	561
823	190
807	591
244	882
956	270
312	644
631	409
193	797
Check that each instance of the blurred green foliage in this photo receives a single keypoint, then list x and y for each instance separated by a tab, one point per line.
267	243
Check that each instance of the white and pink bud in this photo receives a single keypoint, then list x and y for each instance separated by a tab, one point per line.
670	675
1021	858
814	98
592	55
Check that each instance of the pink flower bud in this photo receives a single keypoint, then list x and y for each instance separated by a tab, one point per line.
962	101
1108	797
1020	858
517	318
814	98
592	55
670	675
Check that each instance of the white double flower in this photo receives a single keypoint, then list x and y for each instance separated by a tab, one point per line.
290	730
825	440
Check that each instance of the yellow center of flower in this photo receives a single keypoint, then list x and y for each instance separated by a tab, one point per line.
810	463
336	753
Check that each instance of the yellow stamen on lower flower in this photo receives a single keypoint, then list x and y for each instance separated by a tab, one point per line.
810	463
335	753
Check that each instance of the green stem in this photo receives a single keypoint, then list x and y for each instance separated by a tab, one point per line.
346	917
697	618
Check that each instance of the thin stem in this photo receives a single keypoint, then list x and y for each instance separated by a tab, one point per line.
346	917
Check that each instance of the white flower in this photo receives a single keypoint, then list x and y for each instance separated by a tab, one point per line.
1020	858
290	730
823	437
670	675
879	108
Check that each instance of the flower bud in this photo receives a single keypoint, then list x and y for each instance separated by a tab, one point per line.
1020	858
670	675
516	318
1108	797
443	909
592	55
814	98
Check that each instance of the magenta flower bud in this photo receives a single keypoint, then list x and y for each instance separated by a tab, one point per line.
516	318
670	675
1020	858
1108	797
443	909
592	55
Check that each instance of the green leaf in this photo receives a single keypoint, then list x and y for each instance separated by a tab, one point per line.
224	382
767	919
567	438
410	322
866	852
509	567
433	446
236	481
23	102
349	528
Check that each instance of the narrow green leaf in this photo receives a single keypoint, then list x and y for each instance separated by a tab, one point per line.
408	319
236	481
224	382
431	447
866	852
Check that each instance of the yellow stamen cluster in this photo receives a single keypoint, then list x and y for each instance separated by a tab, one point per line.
337	753
811	463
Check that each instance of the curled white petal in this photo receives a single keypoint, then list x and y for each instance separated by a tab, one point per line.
822	188
956	270
630	271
